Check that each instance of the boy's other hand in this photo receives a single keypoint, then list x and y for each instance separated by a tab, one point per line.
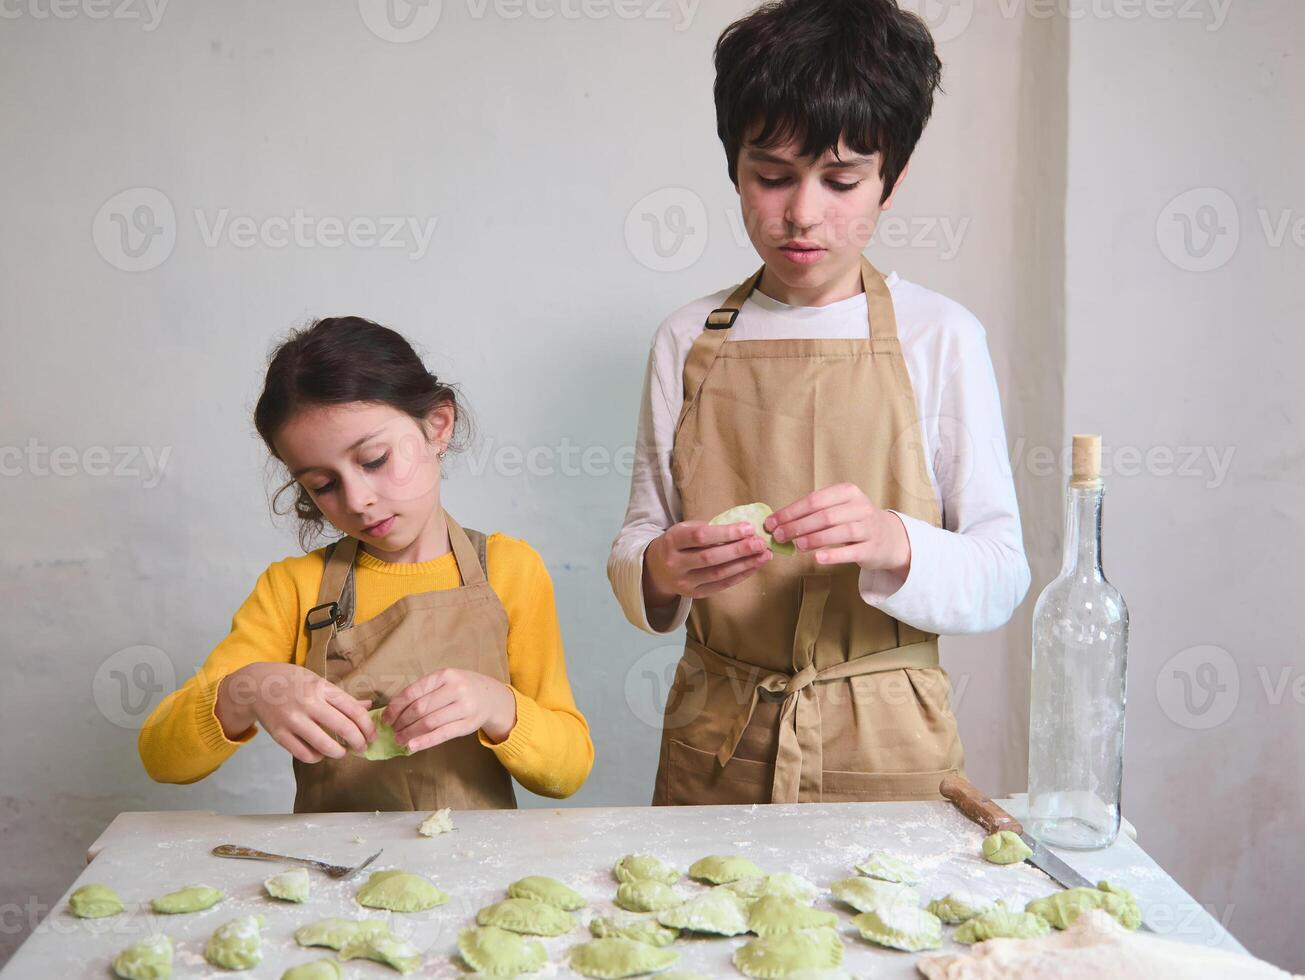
843	526
695	559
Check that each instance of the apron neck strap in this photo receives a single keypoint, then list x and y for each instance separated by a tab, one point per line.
469	567
323	618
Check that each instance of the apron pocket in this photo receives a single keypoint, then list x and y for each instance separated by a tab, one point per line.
695	777
873	787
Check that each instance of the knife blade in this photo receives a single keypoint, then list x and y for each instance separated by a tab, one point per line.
967	798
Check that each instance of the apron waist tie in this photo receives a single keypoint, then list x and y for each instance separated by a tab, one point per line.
800	704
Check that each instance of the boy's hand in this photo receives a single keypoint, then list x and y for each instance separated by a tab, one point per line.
302	710
842	526
448	704
695	559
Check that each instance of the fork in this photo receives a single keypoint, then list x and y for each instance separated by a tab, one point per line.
339	872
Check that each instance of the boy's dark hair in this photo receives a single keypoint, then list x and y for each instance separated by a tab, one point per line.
817	71
340	360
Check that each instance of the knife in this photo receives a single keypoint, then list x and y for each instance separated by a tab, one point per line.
970	801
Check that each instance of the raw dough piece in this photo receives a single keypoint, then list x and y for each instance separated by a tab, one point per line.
644	867
236	945
782	884
1063	908
194	899
721	868
94	902
528	916
889	867
289	886
955	908
648	931
614	958
868	894
400	891
439	822
1095	945
149	959
496	952
756	514
336	932
316	970
646	896
770	915
1005	847
902	927
550	890
719	912
1003	923
383	948
789	954
383	746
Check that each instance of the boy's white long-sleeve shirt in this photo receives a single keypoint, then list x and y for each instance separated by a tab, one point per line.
967	576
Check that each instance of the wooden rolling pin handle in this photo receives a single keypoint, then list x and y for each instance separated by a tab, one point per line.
971	802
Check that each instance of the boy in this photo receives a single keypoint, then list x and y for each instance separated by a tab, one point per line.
864	408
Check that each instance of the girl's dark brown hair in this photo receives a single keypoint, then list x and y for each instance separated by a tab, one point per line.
817	71
340	360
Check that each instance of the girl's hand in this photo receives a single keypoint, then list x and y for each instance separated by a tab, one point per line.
448	704
302	710
842	526
695	559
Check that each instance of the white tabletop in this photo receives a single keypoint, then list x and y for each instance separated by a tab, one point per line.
143	855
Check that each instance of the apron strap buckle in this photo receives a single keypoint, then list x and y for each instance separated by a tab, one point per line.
333	615
721	319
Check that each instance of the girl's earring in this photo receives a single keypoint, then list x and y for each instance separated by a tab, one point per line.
442	453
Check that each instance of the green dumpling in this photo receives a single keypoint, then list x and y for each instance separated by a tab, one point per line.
548	890
236	945
955	908
316	970
644	867
528	916
718	912
611	959
1063	908
399	891
1001	923
495	952
789	954
149	959
782	884
721	868
902	927
94	902
756	514
383	948
889	867
383	746
646	896
1005	847
868	894
194	899
770	915
334	933
648	931
289	886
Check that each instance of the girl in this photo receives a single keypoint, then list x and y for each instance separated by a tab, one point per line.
832	393
453	632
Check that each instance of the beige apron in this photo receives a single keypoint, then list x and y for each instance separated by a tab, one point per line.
466	627
792	688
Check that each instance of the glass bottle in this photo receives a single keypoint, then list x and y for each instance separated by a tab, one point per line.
1078	687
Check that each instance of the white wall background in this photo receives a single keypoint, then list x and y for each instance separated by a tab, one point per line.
532	143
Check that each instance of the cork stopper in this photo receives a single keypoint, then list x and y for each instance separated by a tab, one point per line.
1086	461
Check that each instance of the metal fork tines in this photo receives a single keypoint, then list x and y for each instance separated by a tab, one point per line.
340	872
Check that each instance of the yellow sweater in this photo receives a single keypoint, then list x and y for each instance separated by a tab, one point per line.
548	751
